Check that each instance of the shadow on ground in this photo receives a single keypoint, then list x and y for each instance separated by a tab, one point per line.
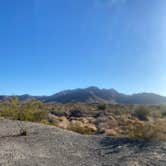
115	145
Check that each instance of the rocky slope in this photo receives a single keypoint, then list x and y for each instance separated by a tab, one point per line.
46	145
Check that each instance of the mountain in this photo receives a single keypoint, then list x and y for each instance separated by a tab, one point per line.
97	95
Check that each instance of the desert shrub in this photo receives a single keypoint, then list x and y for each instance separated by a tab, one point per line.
117	112
102	106
163	114
40	115
148	131
46	122
156	114
8	113
10	109
142	113
81	129
76	113
32	115
29	111
58	113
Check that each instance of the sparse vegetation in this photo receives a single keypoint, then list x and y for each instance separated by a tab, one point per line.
148	131
163	114
143	122
102	106
28	111
142	112
81	129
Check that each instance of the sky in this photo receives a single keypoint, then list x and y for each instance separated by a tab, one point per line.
50	45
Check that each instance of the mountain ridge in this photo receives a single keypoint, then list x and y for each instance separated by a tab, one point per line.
96	95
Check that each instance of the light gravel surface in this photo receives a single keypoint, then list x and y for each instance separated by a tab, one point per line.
50	146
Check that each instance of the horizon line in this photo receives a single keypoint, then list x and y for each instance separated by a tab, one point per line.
68	89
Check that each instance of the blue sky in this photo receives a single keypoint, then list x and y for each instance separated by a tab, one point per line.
51	45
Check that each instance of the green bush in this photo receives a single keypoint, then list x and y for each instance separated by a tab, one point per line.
33	116
10	109
102	107
29	111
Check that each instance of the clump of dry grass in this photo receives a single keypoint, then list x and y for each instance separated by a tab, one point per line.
148	130
142	113
81	129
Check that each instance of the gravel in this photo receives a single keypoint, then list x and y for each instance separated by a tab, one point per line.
51	146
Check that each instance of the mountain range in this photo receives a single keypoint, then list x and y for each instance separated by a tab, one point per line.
97	95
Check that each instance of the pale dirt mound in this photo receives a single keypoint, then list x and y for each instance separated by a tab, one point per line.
50	146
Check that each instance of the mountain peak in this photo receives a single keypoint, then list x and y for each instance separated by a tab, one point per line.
93	88
94	94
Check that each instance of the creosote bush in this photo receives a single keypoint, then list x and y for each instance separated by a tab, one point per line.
28	111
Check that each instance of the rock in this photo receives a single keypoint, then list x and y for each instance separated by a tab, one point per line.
91	120
61	122
50	146
91	127
85	120
77	123
52	118
111	132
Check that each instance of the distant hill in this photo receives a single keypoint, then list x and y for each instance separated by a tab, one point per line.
97	95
